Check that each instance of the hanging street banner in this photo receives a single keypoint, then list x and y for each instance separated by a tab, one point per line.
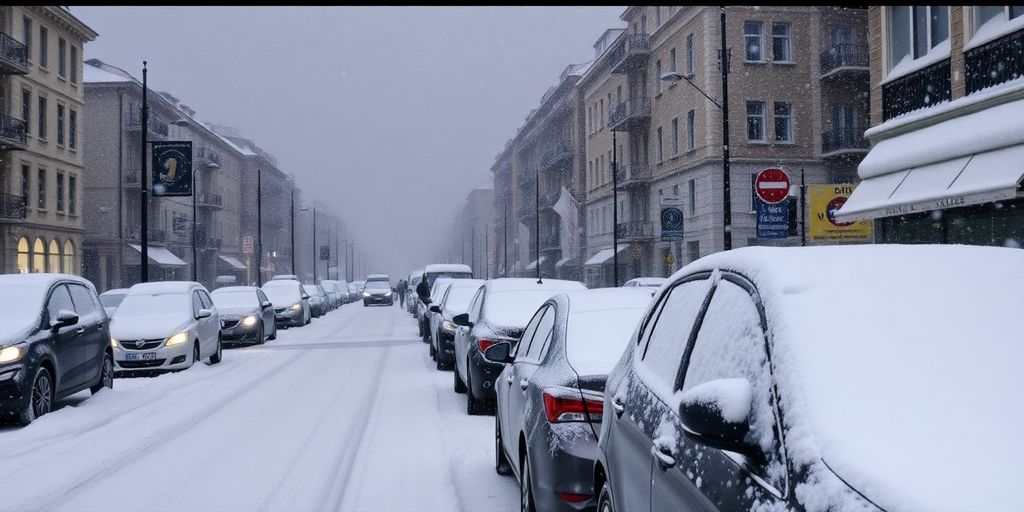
773	219
325	252
671	219
172	168
823	202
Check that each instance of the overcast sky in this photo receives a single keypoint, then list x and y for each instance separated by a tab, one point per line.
370	107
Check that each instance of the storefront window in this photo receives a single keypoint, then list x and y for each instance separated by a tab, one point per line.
39	256
54	257
993	224
23	256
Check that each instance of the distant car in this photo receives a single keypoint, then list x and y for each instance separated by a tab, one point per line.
111	299
317	299
333	293
498	313
168	325
344	294
291	302
455	301
246	314
378	292
550	393
749	387
378	277
430	274
288	277
649	282
54	342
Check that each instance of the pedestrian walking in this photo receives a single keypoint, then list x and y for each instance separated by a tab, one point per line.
402	285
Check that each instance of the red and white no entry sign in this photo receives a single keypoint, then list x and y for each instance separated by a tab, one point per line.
772	185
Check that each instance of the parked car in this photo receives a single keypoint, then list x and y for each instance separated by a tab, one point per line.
317	300
410	293
344	292
749	385
287	277
436	293
246	314
54	342
430	274
649	282
110	299
550	393
498	313
454	301
333	293
168	325
378	292
291	302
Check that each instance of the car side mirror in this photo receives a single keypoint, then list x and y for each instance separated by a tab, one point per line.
462	320
65	317
717	413
266	304
499	353
204	313
305	296
435	309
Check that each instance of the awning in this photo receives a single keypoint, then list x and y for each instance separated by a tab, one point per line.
232	261
533	264
604	255
564	261
161	256
975	179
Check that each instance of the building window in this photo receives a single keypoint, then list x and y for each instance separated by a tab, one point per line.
601	106
691	197
755	121
62	54
74	64
72	195
39	256
72	128
41	189
26	171
23	256
672	61
657	73
675	136
41	115
783	122
60	124
60	191
781	51
691	120
26	107
689	55
26	35
69	258
915	30
661	151
752	31
43	36
53	257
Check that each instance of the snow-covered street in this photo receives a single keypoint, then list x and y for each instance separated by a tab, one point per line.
347	413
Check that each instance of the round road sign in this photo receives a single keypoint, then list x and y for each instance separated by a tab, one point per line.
772	185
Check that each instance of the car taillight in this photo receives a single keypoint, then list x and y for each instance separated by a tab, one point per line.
484	343
572	497
568	404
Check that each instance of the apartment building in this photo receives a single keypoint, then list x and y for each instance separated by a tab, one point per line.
503	251
947	134
471	235
42	170
798	100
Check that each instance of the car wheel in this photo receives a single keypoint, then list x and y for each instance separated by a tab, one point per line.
195	354
39	400
604	499
526	489
473	406
273	334
106	374
501	465
433	353
459	386
262	338
215	358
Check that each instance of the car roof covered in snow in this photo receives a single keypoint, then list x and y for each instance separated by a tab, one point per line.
648	281
599	324
159	287
115	291
234	289
508	284
446	267
42	280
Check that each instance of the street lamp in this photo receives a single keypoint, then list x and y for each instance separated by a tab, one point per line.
307	208
723	56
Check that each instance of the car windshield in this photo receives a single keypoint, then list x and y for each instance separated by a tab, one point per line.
458	299
235	299
111	300
282	295
378	285
21	303
154	305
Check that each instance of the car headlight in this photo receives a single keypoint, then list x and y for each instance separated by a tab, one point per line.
113	342
387	294
12	353
366	294
296	307
448	326
249	321
177	339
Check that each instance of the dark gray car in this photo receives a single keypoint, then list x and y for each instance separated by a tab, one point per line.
246	314
550	394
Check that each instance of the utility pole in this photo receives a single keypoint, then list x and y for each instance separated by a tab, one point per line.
536	231
195	217
293	229
259	226
337	255
144	185
472	249
504	221
487	253
726	190
315	248
615	208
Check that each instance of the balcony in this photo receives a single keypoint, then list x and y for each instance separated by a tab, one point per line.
920	89
550	242
154	235
548	200
636	230
631	53
12	207
526	177
208	244
558	153
130	178
632	113
156	126
208	158
633	175
842	58
12	133
526	210
842	142
210	200
996	62
13	56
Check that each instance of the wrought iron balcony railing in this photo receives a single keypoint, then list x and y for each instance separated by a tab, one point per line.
634	174
210	200
157	126
847	55
13	55
12	133
154	235
556	153
843	139
627	113
636	229
12	207
996	62
630	53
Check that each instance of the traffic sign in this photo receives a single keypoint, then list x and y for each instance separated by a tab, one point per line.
773	219
772	185
247	245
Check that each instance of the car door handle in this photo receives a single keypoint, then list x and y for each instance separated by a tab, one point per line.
80	330
524	383
665	460
618	407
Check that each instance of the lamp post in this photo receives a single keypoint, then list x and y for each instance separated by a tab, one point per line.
723	56
144	185
293	229
615	208
315	255
259	226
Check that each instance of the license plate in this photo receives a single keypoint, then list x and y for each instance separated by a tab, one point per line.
140	357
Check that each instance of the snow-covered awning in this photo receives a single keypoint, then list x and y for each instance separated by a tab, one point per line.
161	256
564	261
232	261
533	264
604	255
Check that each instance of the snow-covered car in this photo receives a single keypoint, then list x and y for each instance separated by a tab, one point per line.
246	314
333	293
550	394
498	313
455	301
290	300
168	325
410	293
650	282
822	378
54	342
437	292
430	274
378	291
110	299
317	299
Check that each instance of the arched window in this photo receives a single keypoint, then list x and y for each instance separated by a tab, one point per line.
23	256
69	258
39	256
53	257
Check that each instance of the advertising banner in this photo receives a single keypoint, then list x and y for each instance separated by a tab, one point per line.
671	219
172	168
823	202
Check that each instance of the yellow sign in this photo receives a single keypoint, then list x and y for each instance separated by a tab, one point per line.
823	201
